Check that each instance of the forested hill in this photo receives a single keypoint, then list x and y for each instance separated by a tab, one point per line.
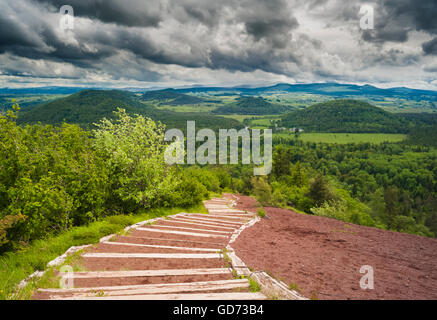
251	106
171	97
345	116
89	106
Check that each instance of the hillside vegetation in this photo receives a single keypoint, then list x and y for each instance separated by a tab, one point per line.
89	106
251	106
171	97
345	116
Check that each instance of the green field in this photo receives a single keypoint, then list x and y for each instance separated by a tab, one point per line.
201	107
344	138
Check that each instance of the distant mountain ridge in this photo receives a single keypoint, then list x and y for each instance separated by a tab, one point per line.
331	89
334	89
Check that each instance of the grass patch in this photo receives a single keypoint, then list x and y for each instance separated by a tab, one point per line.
345	138
16	266
314	296
293	286
228	260
254	285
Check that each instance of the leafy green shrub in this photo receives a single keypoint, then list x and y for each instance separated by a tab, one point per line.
53	178
262	190
408	225
261	212
206	177
133	150
319	191
187	193
278	199
6	223
339	209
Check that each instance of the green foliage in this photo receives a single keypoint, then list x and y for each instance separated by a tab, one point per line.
319	191
281	161
408	225
365	184
254	286
171	97
133	149
89	106
340	210
262	190
251	106
345	138
54	178
261	212
7	223
189	191
295	287
345	116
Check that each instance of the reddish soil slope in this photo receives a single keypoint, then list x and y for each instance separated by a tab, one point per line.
324	256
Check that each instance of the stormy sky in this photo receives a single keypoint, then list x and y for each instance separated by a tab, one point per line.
148	43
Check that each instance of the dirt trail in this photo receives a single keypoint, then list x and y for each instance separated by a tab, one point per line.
179	257
323	256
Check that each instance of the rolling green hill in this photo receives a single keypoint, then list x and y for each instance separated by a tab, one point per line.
171	97
251	106
345	116
89	106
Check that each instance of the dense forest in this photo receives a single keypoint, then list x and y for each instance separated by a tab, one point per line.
391	185
251	106
345	116
171	97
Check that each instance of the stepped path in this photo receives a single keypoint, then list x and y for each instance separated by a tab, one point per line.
177	257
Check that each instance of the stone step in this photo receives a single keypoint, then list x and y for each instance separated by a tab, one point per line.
195	234
231	218
181	221
161	247
150	273
217	220
177	242
186	296
192	229
165	288
232	215
207	222
227	210
153	255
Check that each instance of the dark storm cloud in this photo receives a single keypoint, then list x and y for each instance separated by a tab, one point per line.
395	19
123	38
275	30
430	47
268	21
15	36
125	12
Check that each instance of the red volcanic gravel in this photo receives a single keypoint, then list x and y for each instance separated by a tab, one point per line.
323	256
